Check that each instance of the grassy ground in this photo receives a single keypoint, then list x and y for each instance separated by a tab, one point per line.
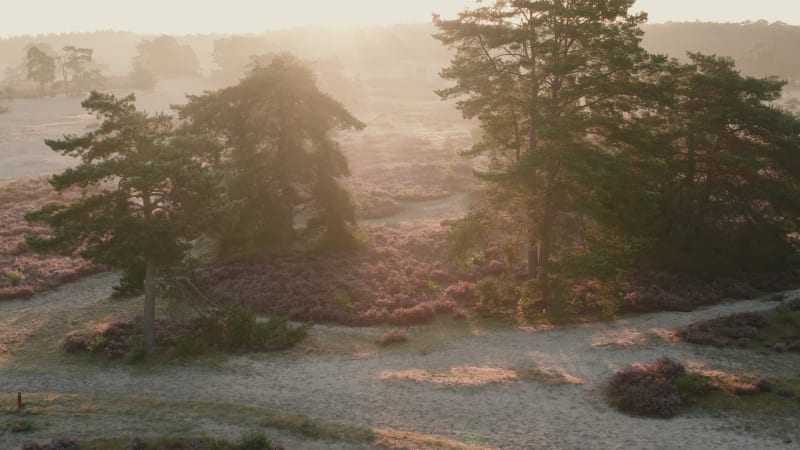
110	423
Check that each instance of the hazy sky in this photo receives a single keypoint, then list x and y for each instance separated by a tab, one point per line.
232	16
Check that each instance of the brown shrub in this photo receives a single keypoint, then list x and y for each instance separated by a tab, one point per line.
393	336
644	392
401	280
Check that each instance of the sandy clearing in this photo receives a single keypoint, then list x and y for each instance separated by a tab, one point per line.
349	388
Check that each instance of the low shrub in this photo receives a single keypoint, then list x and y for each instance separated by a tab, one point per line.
643	392
778	330
380	284
692	385
254	441
392	336
669	368
232	330
657	390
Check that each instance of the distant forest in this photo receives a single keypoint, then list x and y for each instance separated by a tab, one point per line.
759	48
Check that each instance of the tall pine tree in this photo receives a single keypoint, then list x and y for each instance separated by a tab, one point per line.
150	195
549	81
275	128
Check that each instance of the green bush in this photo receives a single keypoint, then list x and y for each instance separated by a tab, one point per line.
241	325
254	441
692	385
97	344
136	349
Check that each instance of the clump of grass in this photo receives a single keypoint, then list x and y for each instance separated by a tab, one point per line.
392	336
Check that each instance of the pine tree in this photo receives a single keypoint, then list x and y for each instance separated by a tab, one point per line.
275	128
731	188
549	81
149	194
41	67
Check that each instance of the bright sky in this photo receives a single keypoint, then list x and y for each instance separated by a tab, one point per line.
241	16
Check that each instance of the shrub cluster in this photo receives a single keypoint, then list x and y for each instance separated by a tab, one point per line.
778	329
720	332
657	390
232	330
658	291
401	280
22	273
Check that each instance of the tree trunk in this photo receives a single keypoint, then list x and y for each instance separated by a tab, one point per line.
534	246
150	307
546	238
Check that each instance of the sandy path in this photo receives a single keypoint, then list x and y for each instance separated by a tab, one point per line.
516	414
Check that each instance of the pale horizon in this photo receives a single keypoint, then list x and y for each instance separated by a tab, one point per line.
246	16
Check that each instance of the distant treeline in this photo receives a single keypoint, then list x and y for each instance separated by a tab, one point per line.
760	48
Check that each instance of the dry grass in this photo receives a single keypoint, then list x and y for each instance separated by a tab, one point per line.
551	376
456	376
407	440
623	338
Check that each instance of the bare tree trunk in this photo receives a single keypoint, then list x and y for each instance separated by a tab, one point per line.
150	307
546	239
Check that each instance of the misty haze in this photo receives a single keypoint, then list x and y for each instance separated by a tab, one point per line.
361	224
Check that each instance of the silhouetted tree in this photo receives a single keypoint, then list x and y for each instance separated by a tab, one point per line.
152	191
233	54
164	57
140	77
41	67
74	63
275	127
731	184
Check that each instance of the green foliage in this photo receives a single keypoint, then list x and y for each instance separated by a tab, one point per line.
14	276
432	287
152	193
238	329
692	385
277	153
465	238
257	440
541	76
497	295
345	300
617	157
729	196
137	351
96	344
